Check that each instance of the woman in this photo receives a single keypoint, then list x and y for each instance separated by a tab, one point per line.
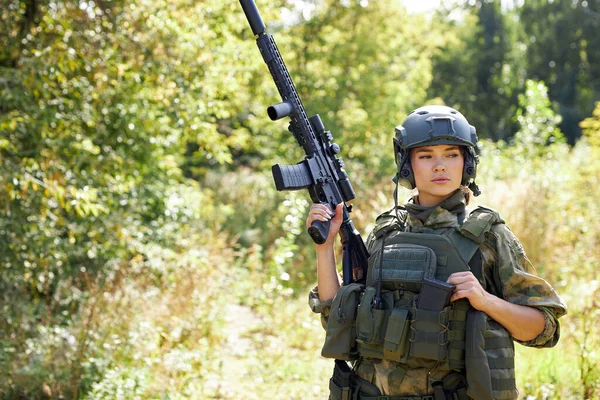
406	339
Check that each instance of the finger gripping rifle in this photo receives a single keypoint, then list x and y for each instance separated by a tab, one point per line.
321	171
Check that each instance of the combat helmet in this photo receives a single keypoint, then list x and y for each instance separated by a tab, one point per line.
430	126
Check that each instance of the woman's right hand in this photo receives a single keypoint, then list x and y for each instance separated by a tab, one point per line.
322	212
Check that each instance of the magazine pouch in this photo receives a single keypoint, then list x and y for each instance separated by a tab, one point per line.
340	339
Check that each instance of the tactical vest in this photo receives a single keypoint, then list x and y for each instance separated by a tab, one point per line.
399	330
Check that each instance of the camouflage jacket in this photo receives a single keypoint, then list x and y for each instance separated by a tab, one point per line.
507	273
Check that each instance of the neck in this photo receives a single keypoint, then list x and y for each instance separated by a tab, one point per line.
428	200
455	204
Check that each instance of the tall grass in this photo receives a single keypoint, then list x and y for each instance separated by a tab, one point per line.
552	207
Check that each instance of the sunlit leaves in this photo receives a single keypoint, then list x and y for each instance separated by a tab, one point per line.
361	80
539	123
591	128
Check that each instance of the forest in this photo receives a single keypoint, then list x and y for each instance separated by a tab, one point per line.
145	252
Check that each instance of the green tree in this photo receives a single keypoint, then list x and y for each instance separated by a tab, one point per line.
478	67
539	124
562	50
99	102
363	66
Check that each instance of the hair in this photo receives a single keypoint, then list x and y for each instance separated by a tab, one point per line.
467	193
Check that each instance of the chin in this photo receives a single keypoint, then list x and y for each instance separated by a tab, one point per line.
442	192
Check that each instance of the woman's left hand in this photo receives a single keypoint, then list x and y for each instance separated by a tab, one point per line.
467	286
524	323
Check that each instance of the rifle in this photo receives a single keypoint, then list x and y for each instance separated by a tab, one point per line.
321	171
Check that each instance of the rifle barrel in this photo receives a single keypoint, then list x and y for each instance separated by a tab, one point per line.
253	16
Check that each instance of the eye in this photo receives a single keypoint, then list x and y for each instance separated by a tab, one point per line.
453	155
424	156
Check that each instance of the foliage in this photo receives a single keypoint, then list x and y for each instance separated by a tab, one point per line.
93	137
538	126
591	128
374	86
546	191
488	52
478	67
140	221
563	50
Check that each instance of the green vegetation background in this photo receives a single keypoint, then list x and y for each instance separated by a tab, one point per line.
144	250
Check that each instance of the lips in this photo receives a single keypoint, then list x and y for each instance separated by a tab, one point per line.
441	179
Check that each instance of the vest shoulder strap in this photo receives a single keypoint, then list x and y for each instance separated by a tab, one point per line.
479	222
475	226
394	219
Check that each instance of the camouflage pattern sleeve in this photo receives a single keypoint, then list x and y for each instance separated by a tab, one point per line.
319	307
551	333
517	282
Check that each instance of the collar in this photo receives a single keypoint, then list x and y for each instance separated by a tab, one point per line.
447	214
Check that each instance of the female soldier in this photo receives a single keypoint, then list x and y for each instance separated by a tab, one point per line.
406	339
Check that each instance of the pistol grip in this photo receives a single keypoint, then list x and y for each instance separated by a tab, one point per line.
318	231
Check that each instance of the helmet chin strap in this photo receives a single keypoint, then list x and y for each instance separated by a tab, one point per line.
395	179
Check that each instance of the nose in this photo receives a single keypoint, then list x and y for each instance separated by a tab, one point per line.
439	167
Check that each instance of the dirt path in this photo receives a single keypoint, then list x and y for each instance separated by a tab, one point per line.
234	353
273	356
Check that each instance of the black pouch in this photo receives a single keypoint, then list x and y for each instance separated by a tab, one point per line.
340	339
340	384
435	294
430	325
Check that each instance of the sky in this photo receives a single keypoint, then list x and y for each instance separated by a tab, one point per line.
306	8
418	6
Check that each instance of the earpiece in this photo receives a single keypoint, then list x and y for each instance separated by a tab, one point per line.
406	176
470	167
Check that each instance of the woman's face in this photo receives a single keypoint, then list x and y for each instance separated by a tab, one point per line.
438	172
